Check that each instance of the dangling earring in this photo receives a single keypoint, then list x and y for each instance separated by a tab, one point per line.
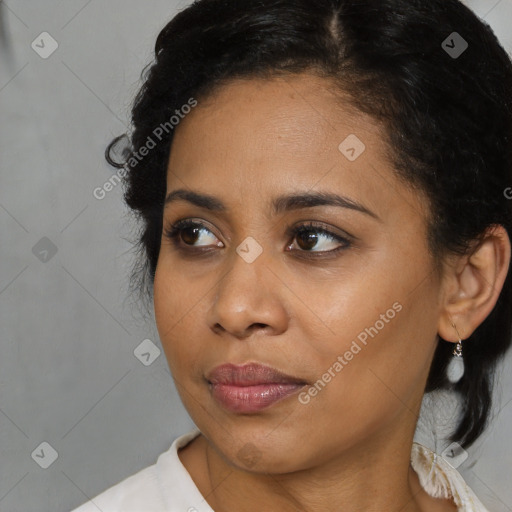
455	369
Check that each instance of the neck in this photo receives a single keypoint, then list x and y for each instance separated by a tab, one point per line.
372	475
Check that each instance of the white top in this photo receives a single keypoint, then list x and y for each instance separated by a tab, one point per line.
168	487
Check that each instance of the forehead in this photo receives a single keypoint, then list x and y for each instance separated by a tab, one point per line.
293	110
298	119
260	138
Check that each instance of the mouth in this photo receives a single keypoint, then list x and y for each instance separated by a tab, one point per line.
251	387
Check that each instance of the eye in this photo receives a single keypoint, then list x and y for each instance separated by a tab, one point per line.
311	235
189	232
186	233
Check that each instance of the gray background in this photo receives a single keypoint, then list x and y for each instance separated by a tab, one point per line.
68	373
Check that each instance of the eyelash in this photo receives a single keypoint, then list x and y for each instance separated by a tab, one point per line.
173	231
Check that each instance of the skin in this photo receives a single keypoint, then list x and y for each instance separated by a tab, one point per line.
349	447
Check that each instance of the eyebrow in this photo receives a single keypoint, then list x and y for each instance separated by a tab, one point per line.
279	204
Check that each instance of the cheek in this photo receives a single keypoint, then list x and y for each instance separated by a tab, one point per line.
360	387
175	297
373	360
181	308
173	303
385	361
163	301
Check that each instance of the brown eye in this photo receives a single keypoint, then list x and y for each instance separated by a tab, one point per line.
189	235
307	240
190	232
310	236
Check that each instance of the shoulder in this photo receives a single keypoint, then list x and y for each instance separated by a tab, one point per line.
135	493
441	480
150	489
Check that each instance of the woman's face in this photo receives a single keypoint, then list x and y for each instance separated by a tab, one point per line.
354	317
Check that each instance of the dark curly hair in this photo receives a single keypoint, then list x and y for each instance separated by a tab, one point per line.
447	118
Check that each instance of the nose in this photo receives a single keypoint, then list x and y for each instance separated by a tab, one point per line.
248	298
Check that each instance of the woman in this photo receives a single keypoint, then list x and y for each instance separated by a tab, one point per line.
325	237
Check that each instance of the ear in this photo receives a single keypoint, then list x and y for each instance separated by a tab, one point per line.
472	285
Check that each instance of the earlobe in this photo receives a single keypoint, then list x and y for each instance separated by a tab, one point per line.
473	285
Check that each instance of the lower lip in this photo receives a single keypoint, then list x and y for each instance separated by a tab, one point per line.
246	399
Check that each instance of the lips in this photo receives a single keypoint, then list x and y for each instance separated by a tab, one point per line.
250	374
251	387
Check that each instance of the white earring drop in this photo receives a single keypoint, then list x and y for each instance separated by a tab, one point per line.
455	369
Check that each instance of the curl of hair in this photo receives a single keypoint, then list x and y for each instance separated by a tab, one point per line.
448	125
